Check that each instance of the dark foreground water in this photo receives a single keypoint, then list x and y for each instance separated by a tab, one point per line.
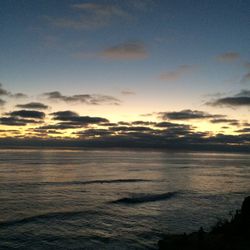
113	199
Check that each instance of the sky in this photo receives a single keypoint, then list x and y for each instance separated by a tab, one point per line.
135	72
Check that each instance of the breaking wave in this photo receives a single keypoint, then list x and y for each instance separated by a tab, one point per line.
146	198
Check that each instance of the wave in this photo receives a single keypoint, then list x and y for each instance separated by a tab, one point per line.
146	198
63	183
107	181
40	217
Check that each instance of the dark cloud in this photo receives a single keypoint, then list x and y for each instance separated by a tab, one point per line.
3	92
129	129
140	132
33	105
244	130
93	133
64	115
228	57
240	99
166	124
187	114
73	119
16	121
182	137
174	128
178	131
108	124
84	98
146	123
60	126
27	114
244	93
232	122
124	123
2	102
6	132
45	132
246	124
126	51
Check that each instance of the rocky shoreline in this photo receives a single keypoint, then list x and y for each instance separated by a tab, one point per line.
233	234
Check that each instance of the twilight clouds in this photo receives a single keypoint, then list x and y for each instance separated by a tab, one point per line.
144	73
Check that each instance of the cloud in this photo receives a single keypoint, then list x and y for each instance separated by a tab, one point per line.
232	122
125	51
188	141
240	99
130	128
27	114
135	133
71	120
33	105
84	98
232	101
64	115
16	121
145	123
186	114
75	120
90	16
124	123
18	95
60	126
245	78
173	126
244	130
243	93
162	135
176	74
2	102
228	57
93	133
128	92
3	92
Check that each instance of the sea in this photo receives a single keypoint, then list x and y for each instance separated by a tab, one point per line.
113	198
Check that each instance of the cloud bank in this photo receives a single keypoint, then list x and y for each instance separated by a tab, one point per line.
83	98
187	114
240	99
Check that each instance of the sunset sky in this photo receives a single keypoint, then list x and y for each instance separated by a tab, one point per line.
146	72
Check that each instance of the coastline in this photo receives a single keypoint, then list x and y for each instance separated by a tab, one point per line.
233	234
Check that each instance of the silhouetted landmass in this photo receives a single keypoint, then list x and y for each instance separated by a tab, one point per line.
233	234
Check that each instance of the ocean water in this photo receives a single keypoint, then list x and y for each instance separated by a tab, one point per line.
114	199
